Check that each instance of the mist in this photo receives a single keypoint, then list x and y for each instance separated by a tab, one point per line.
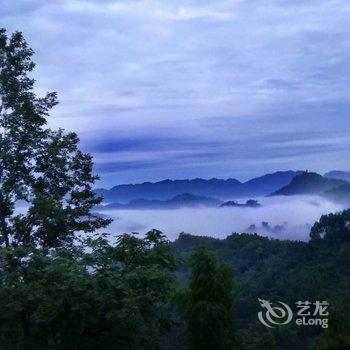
287	218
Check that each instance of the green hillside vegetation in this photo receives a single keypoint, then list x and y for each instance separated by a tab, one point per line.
282	270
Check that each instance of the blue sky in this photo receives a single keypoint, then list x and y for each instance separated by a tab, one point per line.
177	89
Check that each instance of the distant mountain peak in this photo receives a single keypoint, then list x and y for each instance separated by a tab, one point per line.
219	188
181	200
308	183
338	175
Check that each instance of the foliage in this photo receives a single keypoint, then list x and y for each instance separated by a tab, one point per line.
40	167
336	337
332	227
114	297
280	270
209	304
59	288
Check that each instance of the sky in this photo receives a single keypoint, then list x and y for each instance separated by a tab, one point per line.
183	89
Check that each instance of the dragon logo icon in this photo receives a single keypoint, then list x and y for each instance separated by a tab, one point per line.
274	315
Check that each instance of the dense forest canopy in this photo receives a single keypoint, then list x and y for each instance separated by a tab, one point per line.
65	286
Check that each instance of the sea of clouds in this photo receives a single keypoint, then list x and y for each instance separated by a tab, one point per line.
293	216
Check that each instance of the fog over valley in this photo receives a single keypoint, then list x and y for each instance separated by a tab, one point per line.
288	217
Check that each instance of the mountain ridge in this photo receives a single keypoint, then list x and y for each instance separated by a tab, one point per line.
309	183
221	188
338	175
178	201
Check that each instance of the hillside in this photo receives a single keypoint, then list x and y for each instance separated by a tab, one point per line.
250	203
308	183
339	194
179	201
283	270
166	189
268	183
338	175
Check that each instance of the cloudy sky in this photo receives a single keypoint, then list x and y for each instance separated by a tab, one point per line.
211	88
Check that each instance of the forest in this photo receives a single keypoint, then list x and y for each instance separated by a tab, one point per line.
65	285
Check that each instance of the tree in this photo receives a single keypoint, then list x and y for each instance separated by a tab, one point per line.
336	336
332	227
133	284
105	297
210	303
60	289
265	341
42	167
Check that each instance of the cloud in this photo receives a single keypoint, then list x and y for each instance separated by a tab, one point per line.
155	10
204	88
280	84
220	222
11	8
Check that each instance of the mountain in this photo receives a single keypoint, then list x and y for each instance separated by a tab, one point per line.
225	189
338	175
270	182
166	189
339	194
308	183
250	203
179	201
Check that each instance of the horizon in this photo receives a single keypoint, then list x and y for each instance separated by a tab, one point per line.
219	178
190	89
